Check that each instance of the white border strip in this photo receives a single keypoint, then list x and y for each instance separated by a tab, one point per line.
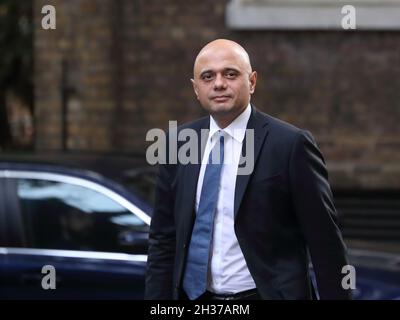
265	15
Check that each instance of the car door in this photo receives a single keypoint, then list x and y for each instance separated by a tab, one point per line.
73	239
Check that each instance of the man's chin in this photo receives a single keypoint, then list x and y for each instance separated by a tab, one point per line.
220	108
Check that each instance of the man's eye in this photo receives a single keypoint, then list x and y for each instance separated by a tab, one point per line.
207	77
231	74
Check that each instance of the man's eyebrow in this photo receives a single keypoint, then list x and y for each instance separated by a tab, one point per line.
205	71
232	69
223	70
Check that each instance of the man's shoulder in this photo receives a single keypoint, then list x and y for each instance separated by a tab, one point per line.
281	127
275	124
197	124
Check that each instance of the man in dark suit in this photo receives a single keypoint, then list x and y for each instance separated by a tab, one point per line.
218	234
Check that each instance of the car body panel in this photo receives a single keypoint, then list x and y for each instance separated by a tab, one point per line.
78	275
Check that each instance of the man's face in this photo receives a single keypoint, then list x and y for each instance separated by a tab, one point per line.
223	81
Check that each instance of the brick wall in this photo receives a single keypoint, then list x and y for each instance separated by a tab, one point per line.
83	39
130	63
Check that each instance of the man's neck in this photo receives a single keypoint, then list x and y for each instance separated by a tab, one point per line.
224	120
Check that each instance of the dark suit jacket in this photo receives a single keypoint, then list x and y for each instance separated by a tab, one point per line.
282	210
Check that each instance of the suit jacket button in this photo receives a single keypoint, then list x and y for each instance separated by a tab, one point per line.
184	245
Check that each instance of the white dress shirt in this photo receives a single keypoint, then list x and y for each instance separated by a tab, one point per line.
228	272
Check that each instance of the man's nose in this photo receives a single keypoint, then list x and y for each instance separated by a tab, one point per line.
219	82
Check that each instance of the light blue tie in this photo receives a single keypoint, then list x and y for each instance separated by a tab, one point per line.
195	277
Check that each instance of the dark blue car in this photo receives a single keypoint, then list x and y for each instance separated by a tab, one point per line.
91	230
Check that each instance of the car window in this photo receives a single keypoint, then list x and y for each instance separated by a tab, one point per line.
141	181
58	215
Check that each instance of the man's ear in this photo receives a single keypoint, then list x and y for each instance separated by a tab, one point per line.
253	81
195	88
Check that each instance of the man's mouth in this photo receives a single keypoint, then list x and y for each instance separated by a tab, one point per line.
221	98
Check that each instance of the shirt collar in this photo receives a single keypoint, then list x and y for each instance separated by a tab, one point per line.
236	129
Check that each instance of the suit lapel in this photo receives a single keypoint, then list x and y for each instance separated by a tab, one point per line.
191	174
259	124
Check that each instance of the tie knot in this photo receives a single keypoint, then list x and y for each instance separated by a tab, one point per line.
221	139
217	153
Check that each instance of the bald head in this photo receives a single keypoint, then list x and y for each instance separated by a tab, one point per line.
223	47
223	80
